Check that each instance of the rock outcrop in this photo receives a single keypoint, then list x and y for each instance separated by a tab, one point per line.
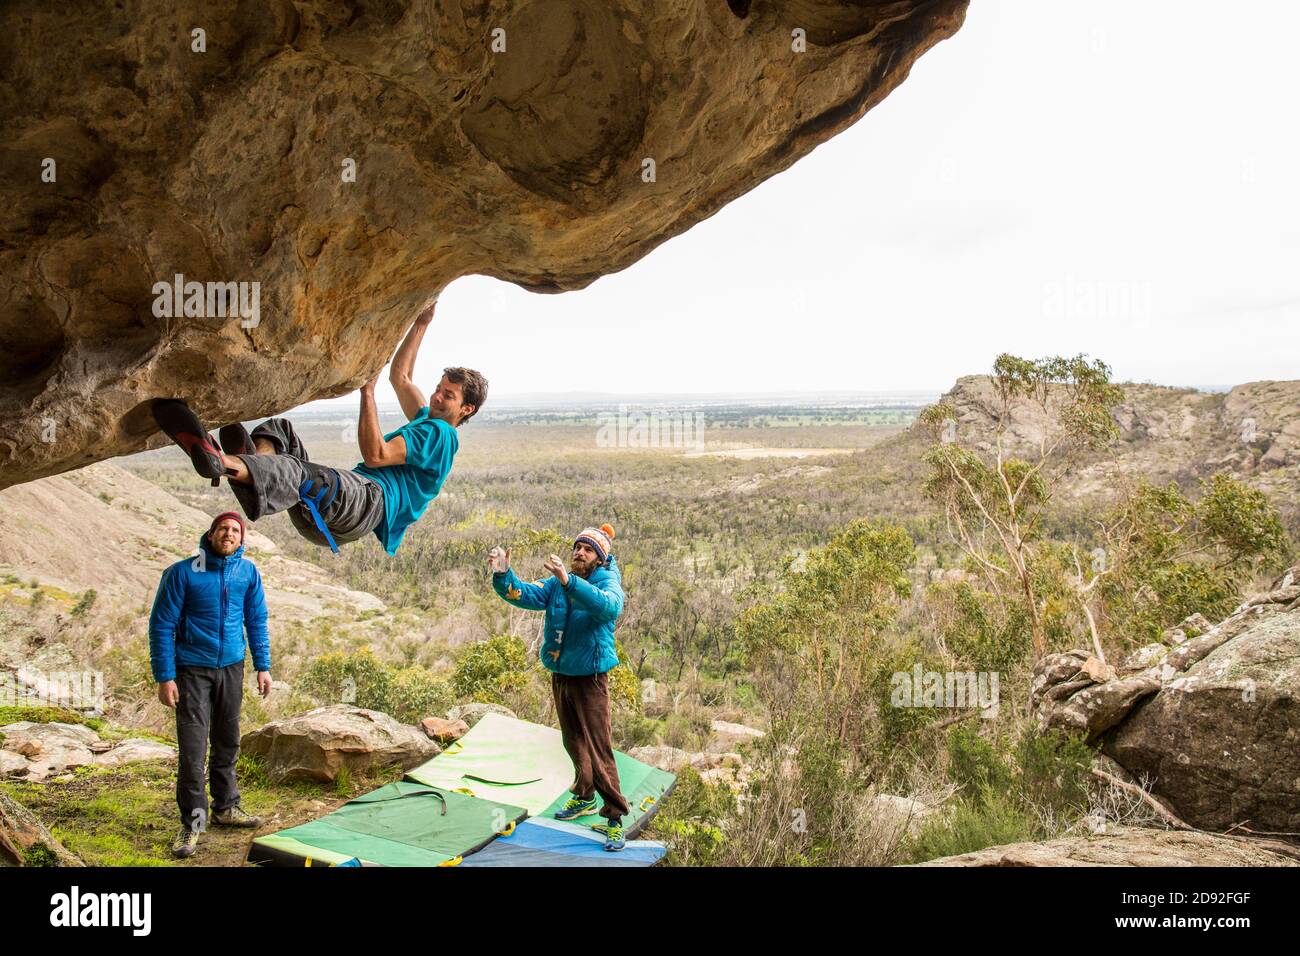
1212	723
1250	432
1123	846
37	751
318	744
472	713
352	159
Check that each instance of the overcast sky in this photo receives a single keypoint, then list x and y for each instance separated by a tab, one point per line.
1115	178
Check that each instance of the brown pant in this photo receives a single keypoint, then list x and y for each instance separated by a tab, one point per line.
582	704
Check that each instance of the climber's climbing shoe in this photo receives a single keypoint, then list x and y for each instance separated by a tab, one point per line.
184	428
235	440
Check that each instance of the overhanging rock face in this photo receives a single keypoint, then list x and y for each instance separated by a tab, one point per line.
351	158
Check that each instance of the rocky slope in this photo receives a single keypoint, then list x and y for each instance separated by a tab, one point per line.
1123	846
105	528
351	159
1166	434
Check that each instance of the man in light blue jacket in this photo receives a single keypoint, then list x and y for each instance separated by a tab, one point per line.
582	605
204	607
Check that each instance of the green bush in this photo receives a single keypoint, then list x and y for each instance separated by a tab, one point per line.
690	822
1054	771
983	632
489	670
977	764
87	602
414	693
986	819
362	679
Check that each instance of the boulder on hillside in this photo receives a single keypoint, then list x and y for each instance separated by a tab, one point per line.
1221	740
1123	846
318	744
1071	692
50	748
726	736
1213	724
671	759
135	749
442	730
473	713
36	751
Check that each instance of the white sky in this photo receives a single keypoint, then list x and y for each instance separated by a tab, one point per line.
1115	178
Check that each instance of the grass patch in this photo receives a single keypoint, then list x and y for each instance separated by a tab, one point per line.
127	816
48	715
992	820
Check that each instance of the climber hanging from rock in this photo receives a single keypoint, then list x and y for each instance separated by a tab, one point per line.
400	473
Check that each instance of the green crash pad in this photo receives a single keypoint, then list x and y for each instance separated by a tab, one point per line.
401	824
525	765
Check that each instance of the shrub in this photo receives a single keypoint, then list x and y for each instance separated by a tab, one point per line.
87	602
489	670
361	678
986	819
691	821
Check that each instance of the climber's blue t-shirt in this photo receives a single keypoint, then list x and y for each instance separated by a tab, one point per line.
408	488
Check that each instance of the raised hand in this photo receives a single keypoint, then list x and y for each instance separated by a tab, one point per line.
426	314
555	565
499	560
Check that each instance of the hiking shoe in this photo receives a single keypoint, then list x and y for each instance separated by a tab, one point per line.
235	440
186	842
577	807
235	817
184	428
614	839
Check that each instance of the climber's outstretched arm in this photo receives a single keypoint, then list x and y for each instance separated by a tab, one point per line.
401	373
376	452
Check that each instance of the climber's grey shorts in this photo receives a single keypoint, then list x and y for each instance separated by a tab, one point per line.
356	511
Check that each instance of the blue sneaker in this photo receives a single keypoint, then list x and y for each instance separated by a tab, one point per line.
576	807
614	839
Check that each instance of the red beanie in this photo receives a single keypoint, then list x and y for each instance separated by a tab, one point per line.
222	517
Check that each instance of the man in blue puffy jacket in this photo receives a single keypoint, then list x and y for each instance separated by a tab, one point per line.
582	605
204	606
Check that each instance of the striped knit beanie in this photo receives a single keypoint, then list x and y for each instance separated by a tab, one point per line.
601	540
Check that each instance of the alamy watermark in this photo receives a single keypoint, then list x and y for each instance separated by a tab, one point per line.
1078	298
71	690
656	428
209	300
951	689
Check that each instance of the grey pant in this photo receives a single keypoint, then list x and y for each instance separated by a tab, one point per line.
208	709
356	511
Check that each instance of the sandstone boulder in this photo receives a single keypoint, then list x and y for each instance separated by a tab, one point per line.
318	744
135	749
1220	742
351	160
727	736
471	714
1213	724
50	748
672	759
442	730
